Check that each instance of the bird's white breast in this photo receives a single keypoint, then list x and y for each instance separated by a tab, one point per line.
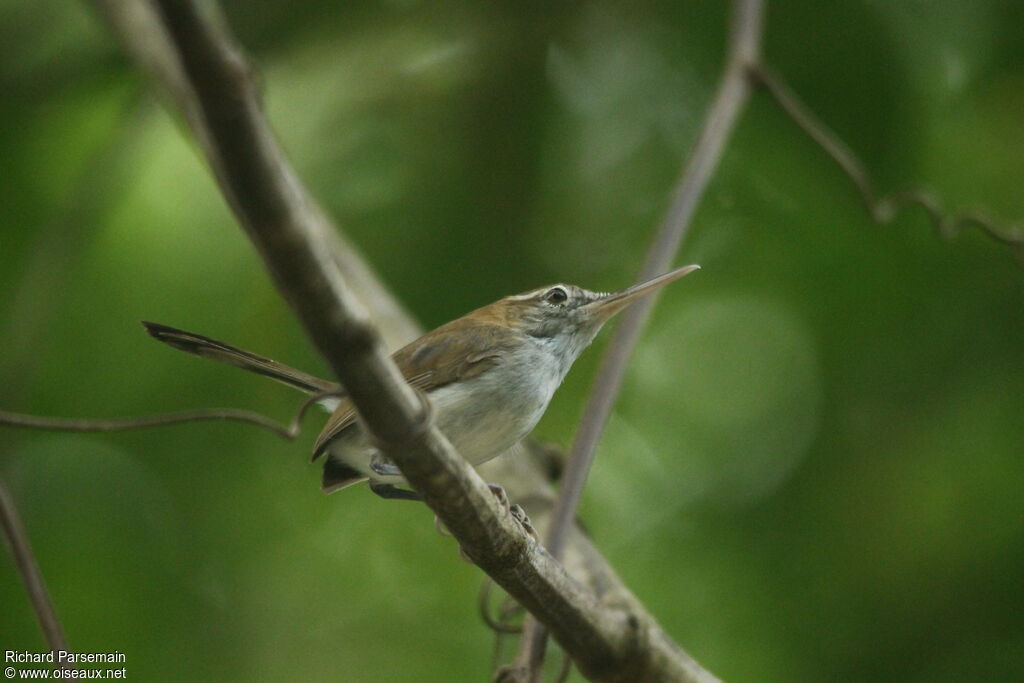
483	416
488	414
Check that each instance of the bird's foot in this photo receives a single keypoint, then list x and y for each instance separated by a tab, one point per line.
516	511
519	514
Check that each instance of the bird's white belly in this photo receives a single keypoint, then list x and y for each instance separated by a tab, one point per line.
486	420
482	417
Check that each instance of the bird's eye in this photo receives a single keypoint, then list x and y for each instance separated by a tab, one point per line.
556	295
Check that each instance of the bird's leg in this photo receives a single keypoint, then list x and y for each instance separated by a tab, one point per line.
384	467
392	492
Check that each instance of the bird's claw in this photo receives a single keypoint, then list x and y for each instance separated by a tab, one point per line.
502	497
519	514
516	511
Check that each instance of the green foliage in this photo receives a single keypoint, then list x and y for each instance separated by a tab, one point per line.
814	471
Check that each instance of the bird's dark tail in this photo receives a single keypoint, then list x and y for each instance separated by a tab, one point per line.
205	347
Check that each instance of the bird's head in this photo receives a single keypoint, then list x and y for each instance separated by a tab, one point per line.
569	317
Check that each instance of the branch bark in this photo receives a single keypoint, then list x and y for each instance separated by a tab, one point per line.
733	92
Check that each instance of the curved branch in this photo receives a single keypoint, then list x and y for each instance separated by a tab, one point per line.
120	424
881	209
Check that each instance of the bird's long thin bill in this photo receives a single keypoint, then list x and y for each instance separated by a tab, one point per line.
616	302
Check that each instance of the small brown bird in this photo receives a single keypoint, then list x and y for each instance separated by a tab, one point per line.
489	376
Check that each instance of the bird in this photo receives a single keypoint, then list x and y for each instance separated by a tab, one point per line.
488	376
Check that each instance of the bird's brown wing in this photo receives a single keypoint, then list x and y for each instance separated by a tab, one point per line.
460	350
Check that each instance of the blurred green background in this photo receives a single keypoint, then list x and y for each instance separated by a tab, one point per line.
815	471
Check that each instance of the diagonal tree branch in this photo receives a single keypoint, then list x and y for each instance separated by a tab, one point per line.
733	92
607	643
28	568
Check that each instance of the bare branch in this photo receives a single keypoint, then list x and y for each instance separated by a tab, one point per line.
25	561
733	92
881	209
119	424
499	624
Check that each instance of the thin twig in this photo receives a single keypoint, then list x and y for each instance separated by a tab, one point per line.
881	209
497	624
28	569
119	424
563	673
733	92
607	643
